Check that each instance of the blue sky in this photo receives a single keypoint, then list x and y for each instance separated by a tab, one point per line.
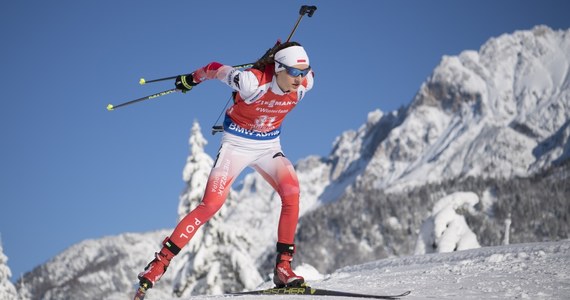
70	170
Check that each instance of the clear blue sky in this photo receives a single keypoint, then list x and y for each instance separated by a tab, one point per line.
70	170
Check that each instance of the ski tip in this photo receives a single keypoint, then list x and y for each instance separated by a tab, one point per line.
110	107
142	81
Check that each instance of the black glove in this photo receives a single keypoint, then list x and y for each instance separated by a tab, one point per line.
185	82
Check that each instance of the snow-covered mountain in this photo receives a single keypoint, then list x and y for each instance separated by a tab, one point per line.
498	114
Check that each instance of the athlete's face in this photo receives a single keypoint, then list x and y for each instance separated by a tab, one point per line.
289	83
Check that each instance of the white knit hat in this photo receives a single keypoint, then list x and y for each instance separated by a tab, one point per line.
290	56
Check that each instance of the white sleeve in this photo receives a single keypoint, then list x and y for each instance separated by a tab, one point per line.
244	82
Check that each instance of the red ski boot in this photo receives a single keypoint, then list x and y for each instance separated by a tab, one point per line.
283	276
156	268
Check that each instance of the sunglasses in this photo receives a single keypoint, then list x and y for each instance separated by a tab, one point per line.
294	71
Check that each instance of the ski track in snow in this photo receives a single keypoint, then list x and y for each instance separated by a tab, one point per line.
520	271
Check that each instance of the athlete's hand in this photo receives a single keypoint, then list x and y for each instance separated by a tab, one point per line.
185	82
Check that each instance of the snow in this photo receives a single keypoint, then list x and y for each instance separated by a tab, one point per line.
522	271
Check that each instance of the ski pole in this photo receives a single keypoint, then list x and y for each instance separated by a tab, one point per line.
111	107
305	9
142	81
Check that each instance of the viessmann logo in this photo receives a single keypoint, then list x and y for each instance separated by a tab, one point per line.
273	103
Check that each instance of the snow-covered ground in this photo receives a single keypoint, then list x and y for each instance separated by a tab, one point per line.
522	271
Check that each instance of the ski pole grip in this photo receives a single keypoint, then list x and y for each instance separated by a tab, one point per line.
309	10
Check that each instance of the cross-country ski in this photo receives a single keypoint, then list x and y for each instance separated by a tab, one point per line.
309	291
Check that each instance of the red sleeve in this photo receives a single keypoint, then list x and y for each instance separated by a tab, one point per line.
207	72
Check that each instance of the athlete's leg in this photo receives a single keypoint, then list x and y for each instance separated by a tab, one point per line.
226	168
228	165
278	171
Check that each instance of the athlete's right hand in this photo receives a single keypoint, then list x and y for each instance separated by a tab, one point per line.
185	82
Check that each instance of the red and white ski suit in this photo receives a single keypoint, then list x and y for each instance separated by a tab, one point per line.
251	138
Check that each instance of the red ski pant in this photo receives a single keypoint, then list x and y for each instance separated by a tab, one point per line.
235	154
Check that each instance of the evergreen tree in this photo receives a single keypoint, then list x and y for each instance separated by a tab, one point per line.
7	289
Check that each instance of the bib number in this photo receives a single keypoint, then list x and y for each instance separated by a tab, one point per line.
263	123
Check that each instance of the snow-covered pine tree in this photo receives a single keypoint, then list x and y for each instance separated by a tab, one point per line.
7	289
196	172
215	260
446	229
